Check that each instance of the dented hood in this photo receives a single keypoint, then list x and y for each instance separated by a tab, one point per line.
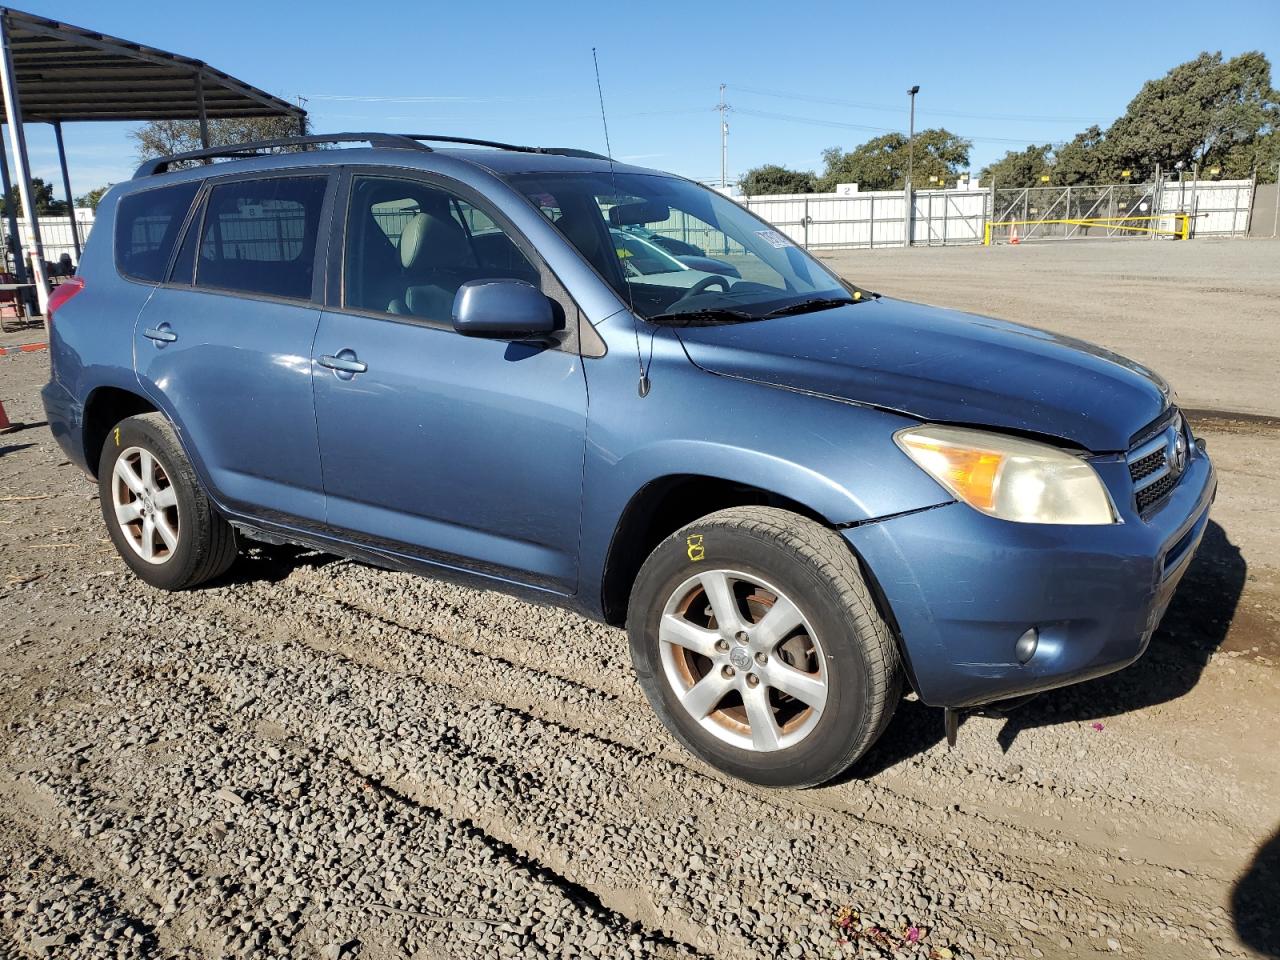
944	366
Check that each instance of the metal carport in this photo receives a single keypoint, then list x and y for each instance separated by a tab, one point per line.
53	73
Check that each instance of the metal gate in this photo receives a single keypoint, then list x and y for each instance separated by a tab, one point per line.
1164	207
1056	213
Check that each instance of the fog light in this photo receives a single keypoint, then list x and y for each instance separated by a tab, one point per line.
1025	648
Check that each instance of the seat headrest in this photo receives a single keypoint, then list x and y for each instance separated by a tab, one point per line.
434	242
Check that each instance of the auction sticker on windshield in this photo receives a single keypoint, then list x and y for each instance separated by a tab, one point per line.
774	238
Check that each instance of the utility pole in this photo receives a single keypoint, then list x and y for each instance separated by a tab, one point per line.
724	140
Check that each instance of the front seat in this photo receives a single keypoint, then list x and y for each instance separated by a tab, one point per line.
437	259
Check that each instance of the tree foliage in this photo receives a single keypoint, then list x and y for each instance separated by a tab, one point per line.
1210	111
881	163
93	197
772	178
1196	113
41	195
1020	168
1206	112
160	138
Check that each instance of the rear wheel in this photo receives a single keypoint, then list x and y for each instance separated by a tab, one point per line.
756	641
157	515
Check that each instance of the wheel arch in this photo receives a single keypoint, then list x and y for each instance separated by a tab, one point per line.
664	505
103	409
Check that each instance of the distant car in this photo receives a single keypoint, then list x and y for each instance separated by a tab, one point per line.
798	496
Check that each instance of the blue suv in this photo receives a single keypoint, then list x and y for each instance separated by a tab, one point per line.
456	359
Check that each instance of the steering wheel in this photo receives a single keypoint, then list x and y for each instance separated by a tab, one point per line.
703	285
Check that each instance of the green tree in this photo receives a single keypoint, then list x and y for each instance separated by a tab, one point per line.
1020	168
93	197
1262	154
1199	112
1088	158
160	138
881	163
772	178
41	195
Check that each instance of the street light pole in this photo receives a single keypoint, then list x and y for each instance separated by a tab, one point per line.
908	200
724	140
911	135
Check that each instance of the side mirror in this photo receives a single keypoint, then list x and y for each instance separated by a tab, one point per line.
503	309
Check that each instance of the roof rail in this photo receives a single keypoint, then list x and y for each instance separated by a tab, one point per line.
498	145
256	148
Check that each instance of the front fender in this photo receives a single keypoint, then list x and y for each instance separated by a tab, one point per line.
835	458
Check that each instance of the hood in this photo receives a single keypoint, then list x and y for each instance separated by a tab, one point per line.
943	366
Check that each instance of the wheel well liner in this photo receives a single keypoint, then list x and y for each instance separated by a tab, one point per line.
105	407
659	509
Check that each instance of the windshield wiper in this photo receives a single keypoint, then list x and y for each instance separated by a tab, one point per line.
703	316
808	306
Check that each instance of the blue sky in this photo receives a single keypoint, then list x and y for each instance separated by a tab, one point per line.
1003	74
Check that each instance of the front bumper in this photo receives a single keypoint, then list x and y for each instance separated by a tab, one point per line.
963	587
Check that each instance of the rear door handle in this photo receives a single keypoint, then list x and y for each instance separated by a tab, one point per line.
345	362
161	334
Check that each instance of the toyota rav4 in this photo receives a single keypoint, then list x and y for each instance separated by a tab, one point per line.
483	362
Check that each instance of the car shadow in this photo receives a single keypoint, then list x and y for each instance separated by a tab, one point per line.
1195	625
14	448
269	563
1254	899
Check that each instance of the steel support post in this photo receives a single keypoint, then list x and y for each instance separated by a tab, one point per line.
11	214
21	163
66	186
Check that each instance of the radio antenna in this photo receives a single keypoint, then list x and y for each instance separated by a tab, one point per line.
643	386
603	119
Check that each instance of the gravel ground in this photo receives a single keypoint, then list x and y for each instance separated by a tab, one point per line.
313	758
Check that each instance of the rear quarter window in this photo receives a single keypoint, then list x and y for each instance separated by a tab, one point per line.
147	227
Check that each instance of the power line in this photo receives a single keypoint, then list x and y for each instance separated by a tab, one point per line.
816	121
836	101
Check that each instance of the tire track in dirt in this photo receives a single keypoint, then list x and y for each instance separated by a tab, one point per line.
563	794
120	786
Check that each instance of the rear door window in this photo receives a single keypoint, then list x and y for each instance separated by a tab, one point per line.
259	236
147	227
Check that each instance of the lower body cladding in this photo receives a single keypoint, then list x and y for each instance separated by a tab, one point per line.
990	611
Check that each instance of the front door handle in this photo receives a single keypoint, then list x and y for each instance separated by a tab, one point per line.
161	335
345	364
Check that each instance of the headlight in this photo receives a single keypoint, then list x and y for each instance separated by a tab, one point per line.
1007	477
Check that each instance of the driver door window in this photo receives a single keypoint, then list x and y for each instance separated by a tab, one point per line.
411	245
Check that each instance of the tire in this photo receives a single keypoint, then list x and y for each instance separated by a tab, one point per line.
757	561
186	542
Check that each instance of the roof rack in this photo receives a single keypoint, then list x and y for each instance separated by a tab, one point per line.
400	141
499	145
256	148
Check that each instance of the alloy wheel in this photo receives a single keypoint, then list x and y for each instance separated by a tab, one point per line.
146	505
743	660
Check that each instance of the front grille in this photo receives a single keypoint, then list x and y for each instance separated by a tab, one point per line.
1157	462
1150	495
1141	469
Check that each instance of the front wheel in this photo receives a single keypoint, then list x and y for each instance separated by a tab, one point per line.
756	640
159	519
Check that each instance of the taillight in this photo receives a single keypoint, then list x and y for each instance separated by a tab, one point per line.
63	292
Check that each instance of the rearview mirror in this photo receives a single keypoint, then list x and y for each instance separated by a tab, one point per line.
642	211
504	309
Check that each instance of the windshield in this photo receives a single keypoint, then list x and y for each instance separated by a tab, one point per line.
680	252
